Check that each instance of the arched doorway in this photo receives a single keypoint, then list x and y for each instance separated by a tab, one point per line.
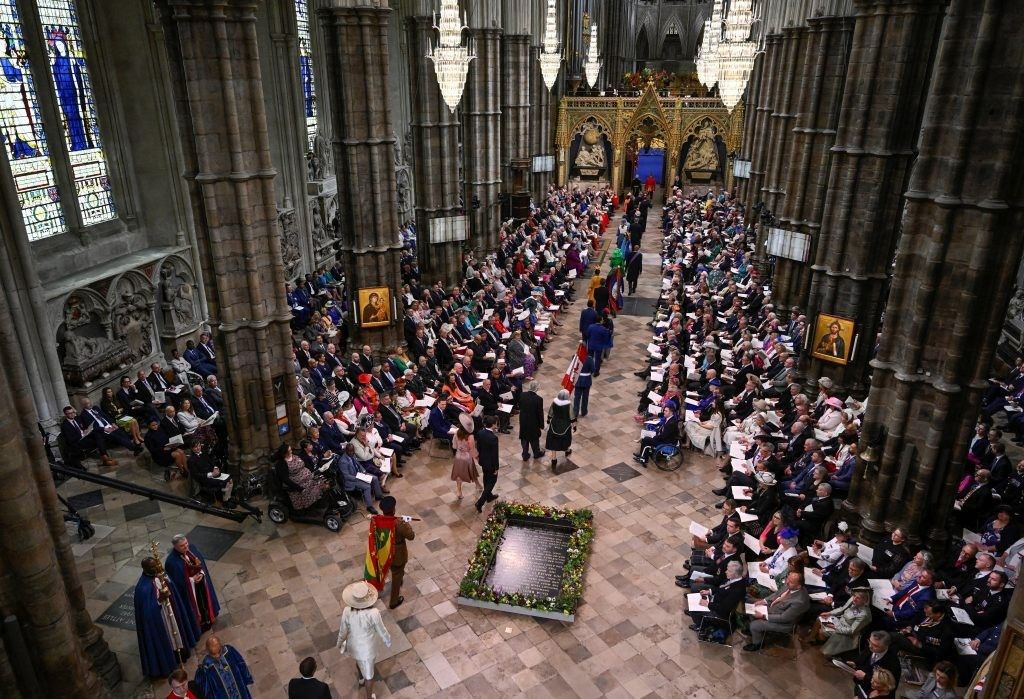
645	152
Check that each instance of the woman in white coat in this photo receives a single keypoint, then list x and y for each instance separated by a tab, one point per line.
361	628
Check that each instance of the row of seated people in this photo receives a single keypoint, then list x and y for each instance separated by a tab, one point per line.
468	350
768	565
948	612
178	424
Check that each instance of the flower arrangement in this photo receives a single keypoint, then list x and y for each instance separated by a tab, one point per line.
473	585
637	79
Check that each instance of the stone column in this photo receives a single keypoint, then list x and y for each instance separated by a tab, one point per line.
955	269
782	118
886	80
515	87
482	145
356	34
23	291
222	122
435	138
759	149
826	50
39	583
743	192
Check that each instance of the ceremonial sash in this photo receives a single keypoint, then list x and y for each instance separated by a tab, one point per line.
380	549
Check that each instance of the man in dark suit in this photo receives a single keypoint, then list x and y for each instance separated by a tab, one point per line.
134	403
531	421
305	686
487	447
878	654
146	392
721	600
78	440
109	433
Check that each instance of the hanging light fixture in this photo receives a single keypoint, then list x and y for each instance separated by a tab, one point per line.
702	52
451	59
736	53
710	46
550	56
593	66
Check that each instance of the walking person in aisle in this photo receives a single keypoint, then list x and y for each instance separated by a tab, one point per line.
561	424
634	266
581	391
361	629
531	421
464	465
487	448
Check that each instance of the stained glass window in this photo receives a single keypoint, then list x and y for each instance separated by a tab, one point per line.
306	69
77	109
23	133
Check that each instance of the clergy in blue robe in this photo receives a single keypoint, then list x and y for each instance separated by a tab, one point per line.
190	578
165	639
223	674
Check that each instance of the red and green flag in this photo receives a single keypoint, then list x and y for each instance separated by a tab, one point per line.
380	548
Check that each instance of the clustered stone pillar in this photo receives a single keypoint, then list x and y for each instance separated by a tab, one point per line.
750	114
515	101
364	149
826	48
39	584
483	136
435	138
762	109
218	90
958	255
541	122
886	80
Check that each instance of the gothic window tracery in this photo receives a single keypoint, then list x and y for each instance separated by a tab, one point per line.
64	70
306	70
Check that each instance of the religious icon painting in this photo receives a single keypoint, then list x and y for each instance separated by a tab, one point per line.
832	340
374	306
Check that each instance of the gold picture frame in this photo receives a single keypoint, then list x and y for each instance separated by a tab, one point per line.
833	338
374	303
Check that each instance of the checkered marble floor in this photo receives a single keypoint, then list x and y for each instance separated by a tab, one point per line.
280	587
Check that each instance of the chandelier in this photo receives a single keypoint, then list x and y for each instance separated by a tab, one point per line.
709	47
550	57
451	59
736	53
735	62
593	66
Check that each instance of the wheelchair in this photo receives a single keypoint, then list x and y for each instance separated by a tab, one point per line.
668	457
332	509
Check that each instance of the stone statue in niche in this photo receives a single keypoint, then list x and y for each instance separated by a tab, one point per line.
321	235
133	324
398	152
1015	311
407	153
314	168
290	252
703	154
176	301
404	194
323	152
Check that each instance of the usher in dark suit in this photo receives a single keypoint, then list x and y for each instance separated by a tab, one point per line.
487	448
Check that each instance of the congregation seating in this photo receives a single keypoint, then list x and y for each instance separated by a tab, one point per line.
720	374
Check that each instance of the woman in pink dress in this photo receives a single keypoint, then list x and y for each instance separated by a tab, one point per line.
464	467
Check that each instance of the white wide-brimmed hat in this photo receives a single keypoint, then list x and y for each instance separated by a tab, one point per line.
359	595
466	420
765	477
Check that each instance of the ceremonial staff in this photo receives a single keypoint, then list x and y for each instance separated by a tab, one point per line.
164	596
